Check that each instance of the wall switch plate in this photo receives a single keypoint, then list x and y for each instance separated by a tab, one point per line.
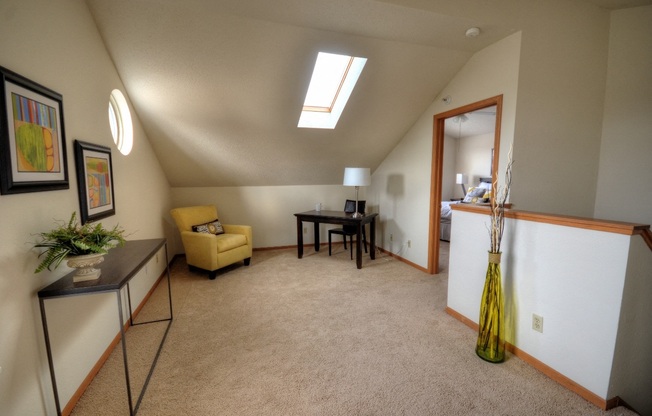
537	322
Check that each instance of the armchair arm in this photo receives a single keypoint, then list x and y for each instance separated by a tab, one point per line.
201	249
239	229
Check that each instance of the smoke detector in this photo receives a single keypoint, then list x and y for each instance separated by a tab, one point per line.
472	32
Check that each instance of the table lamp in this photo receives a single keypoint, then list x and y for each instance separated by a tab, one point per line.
357	177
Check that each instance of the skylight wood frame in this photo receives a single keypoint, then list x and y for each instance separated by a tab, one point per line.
323	117
337	92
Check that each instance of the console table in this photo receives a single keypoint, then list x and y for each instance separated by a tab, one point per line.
120	265
338	217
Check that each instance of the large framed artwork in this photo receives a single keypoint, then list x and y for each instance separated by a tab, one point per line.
95	181
32	138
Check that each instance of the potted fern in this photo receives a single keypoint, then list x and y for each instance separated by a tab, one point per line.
83	246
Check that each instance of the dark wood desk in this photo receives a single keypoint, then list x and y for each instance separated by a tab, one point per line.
338	217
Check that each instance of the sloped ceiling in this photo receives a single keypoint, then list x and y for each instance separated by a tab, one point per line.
219	84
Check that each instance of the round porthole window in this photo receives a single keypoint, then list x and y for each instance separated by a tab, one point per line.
120	122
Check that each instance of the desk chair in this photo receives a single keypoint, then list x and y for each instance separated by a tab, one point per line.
349	230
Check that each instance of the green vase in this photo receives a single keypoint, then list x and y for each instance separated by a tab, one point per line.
491	331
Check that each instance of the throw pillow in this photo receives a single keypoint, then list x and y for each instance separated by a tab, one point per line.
213	227
475	192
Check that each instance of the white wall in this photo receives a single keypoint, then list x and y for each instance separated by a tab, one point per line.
268	209
589	286
57	45
624	189
400	186
632	369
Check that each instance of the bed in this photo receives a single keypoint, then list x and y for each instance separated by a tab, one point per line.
473	195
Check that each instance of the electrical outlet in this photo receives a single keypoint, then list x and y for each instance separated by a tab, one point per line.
409	243
537	322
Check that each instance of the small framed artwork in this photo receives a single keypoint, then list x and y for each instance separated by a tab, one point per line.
95	181
32	138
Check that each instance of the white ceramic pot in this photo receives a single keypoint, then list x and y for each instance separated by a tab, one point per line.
85	265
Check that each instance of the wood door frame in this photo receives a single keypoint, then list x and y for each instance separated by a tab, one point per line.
437	168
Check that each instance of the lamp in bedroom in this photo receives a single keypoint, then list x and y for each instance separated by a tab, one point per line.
460	179
357	177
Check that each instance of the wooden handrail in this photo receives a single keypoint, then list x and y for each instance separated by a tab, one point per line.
647	237
617	227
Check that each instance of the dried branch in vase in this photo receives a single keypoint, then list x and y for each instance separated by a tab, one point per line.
497	205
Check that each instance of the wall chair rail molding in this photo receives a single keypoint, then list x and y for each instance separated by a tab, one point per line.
32	137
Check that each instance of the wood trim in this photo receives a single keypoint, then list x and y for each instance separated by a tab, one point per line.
617	227
389	253
647	237
401	259
91	375
107	353
437	168
545	369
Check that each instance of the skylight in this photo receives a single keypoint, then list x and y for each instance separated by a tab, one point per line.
332	82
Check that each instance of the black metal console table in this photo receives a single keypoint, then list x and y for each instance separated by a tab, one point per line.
121	264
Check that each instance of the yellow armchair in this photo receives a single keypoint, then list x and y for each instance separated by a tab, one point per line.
209	251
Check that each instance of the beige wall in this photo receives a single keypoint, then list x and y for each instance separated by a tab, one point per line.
553	77
556	70
401	184
57	45
474	157
560	102
268	209
624	190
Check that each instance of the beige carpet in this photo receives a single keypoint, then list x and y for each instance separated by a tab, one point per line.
316	336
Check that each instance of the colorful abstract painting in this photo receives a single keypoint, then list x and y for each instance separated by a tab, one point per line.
36	135
32	136
98	182
95	180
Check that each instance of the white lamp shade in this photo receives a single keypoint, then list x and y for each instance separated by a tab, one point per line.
460	178
357	177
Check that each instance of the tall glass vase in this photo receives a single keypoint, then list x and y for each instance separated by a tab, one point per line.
491	333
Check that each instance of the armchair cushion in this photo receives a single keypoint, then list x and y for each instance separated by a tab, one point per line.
226	242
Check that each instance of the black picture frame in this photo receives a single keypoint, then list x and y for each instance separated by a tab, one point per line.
33	154
96	188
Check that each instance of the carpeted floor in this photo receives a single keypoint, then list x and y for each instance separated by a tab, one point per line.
316	336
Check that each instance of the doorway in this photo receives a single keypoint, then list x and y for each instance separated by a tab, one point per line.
437	173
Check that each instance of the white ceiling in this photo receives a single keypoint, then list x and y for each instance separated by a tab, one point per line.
475	123
219	84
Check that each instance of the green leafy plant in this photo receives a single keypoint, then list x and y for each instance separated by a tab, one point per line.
72	239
